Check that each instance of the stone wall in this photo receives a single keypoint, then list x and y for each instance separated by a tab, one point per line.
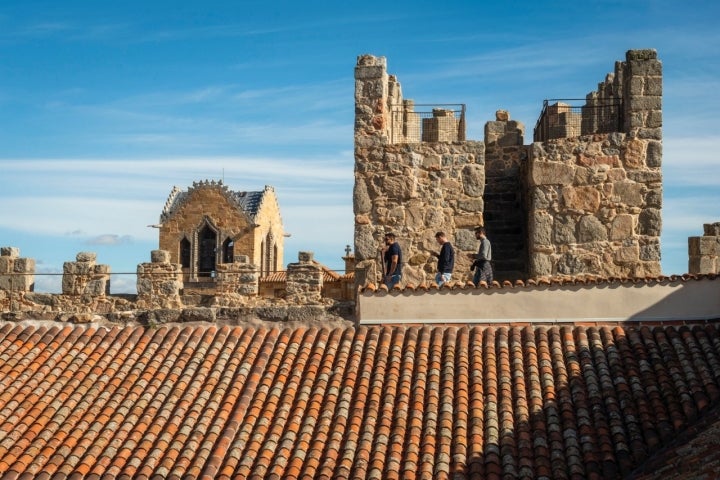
410	189
594	207
239	277
584	204
304	281
595	200
159	282
16	273
703	252
85	277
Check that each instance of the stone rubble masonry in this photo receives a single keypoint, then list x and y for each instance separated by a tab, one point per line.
595	208
304	281
595	200
240	277
703	251
410	189
16	274
159	282
581	205
85	277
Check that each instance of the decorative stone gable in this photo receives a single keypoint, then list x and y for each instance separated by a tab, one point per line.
209	225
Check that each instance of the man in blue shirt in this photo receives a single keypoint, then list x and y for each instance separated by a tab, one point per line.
446	259
392	261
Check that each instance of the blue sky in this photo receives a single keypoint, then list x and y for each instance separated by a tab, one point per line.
107	105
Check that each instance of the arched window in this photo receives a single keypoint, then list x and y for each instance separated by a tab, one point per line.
227	250
270	253
185	249
207	251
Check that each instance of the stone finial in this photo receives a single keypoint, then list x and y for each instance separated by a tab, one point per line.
12	252
160	256
712	229
647	54
502	116
86	257
305	257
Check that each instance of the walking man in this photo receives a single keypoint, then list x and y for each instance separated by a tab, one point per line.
392	261
446	259
482	265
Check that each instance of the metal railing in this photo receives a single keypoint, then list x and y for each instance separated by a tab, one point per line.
432	123
560	119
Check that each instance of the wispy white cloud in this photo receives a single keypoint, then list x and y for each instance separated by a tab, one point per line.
109	240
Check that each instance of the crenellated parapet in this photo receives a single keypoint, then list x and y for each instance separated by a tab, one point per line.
159	282
704	251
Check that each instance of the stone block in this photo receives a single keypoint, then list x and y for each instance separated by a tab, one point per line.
628	193
7	264
551	173
12	252
86	257
622	227
160	256
702	265
650	222
583	199
634	157
626	255
305	257
712	229
704	246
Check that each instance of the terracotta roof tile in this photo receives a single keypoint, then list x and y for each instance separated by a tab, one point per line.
588	280
373	402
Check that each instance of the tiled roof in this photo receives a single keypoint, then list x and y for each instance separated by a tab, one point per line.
178	401
589	280
328	275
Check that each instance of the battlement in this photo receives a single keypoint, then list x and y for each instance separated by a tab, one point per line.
584	198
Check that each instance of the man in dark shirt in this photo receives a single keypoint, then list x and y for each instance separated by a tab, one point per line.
446	259
392	261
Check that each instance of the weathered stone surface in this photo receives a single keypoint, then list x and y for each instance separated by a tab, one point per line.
197	314
551	173
541	230
634	154
582	199
622	227
712	229
628	254
591	229
160	256
705	245
628	193
361	200
650	222
473	180
564	230
12	252
86	257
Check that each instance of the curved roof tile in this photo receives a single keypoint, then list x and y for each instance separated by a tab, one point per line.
366	402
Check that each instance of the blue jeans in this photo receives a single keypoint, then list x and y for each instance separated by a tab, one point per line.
392	280
441	278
